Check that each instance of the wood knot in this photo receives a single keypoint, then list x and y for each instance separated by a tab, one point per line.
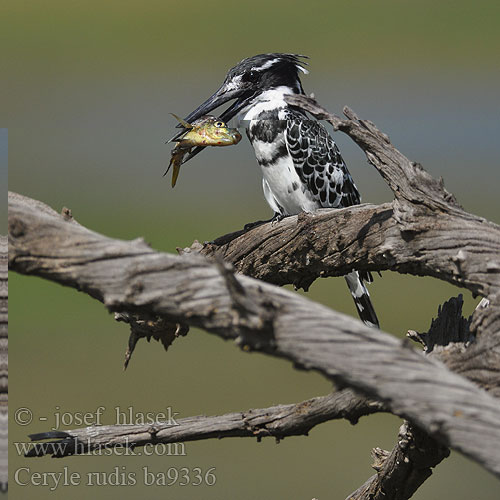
493	266
196	247
66	214
17	227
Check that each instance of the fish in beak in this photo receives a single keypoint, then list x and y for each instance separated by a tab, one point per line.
205	131
227	92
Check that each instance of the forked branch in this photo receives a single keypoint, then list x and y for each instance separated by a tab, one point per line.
130	276
423	232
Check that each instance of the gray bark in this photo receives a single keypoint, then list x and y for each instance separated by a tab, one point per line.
401	471
423	232
130	276
277	421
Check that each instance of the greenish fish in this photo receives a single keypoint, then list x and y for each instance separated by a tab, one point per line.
206	131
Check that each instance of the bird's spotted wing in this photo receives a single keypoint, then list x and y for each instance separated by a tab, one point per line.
318	162
320	167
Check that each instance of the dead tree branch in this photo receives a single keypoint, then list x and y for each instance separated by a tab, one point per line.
401	471
423	232
277	421
130	276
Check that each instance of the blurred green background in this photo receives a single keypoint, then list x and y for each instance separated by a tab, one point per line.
87	88
4	143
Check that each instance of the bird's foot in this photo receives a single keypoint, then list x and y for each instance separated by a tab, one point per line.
273	220
251	225
277	218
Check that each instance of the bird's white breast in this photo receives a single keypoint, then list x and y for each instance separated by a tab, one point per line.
283	188
286	187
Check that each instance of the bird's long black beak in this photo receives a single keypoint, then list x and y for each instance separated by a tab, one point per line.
214	101
220	97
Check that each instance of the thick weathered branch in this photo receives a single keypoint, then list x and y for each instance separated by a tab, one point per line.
399	472
417	233
277	421
129	276
459	248
422	232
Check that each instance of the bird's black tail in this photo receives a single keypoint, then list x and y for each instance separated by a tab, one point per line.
362	298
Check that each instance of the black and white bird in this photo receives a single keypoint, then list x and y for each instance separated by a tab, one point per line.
302	167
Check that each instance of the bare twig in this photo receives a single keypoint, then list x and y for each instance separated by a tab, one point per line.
277	421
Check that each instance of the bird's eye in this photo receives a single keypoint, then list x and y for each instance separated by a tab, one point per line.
251	76
219	124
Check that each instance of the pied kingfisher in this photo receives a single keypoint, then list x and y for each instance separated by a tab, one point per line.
301	164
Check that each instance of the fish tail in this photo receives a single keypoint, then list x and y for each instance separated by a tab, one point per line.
175	173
